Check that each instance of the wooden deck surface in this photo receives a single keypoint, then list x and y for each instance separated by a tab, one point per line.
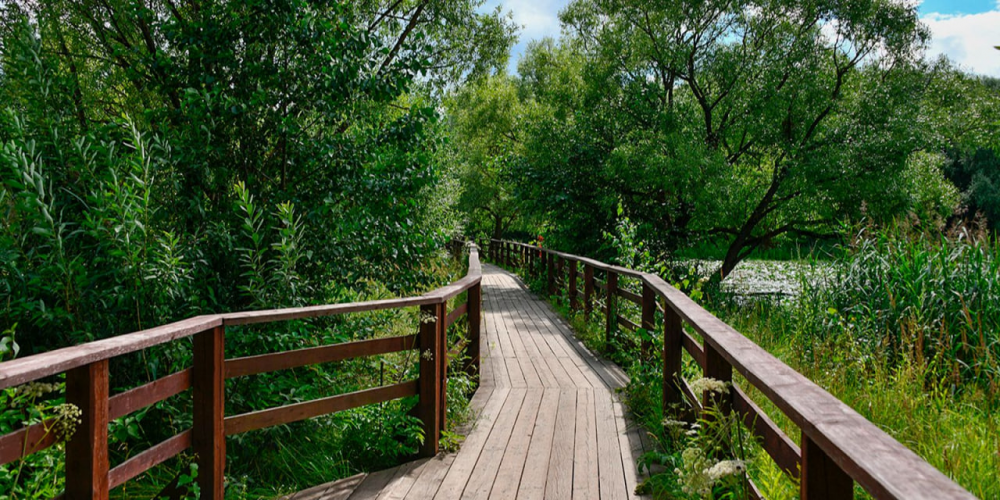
549	422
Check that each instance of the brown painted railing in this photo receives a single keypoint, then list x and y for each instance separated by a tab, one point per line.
838	446
87	385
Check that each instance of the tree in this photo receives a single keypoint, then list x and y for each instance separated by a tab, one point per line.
487	120
745	120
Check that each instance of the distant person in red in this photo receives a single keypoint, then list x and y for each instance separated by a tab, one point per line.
540	240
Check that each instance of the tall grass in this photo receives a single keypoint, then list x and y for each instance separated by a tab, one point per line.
935	299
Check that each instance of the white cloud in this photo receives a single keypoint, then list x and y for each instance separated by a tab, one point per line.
967	39
538	18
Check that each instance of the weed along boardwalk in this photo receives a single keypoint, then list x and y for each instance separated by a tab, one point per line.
549	424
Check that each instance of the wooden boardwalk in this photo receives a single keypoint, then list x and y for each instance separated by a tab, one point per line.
549	424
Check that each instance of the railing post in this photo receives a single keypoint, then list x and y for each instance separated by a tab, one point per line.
821	478
573	302
673	345
550	269
648	317
588	290
442	356
718	368
429	384
208	433
560	271
611	302
474	315
87	449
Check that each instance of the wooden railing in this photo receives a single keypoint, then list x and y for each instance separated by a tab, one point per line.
87	385
838	446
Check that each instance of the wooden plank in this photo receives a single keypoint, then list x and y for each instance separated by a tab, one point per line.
626	447
29	368
457	476
400	485
300	411
630	296
572	289
481	480
208	437
588	290
252	365
337	490
516	451
611	313
475	315
673	343
149	458
140	397
428	408
783	451
373	484
87	449
25	441
626	323
694	349
648	319
585	468
536	464
822	478
609	460
456	313
560	469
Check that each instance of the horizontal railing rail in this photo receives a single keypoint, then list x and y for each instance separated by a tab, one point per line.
838	446
88	474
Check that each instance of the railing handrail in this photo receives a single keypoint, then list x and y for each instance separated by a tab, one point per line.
831	430
30	368
88	472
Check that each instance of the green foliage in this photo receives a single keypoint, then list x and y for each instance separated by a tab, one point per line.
160	160
931	298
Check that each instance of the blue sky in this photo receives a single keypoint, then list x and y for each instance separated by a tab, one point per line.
965	30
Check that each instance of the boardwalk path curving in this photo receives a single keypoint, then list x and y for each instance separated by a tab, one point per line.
549	425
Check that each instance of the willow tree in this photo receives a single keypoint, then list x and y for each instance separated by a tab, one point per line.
747	119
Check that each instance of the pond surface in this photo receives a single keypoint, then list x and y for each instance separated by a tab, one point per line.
777	278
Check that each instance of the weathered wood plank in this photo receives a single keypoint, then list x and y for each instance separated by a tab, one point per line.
536	465
559	483
252	365
515	454
300	411
487	464
585	468
609	459
461	469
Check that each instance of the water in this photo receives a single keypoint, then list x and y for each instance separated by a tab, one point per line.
773	278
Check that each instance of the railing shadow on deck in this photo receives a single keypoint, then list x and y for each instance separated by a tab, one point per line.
88	474
838	446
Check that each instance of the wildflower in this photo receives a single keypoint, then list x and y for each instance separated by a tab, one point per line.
68	416
726	468
36	390
694	476
707	384
669	422
427	355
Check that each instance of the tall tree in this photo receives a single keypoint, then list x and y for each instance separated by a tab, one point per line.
746	119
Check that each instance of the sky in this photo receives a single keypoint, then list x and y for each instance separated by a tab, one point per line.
964	30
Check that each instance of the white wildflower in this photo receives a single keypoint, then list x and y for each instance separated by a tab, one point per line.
706	384
669	422
725	468
693	477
